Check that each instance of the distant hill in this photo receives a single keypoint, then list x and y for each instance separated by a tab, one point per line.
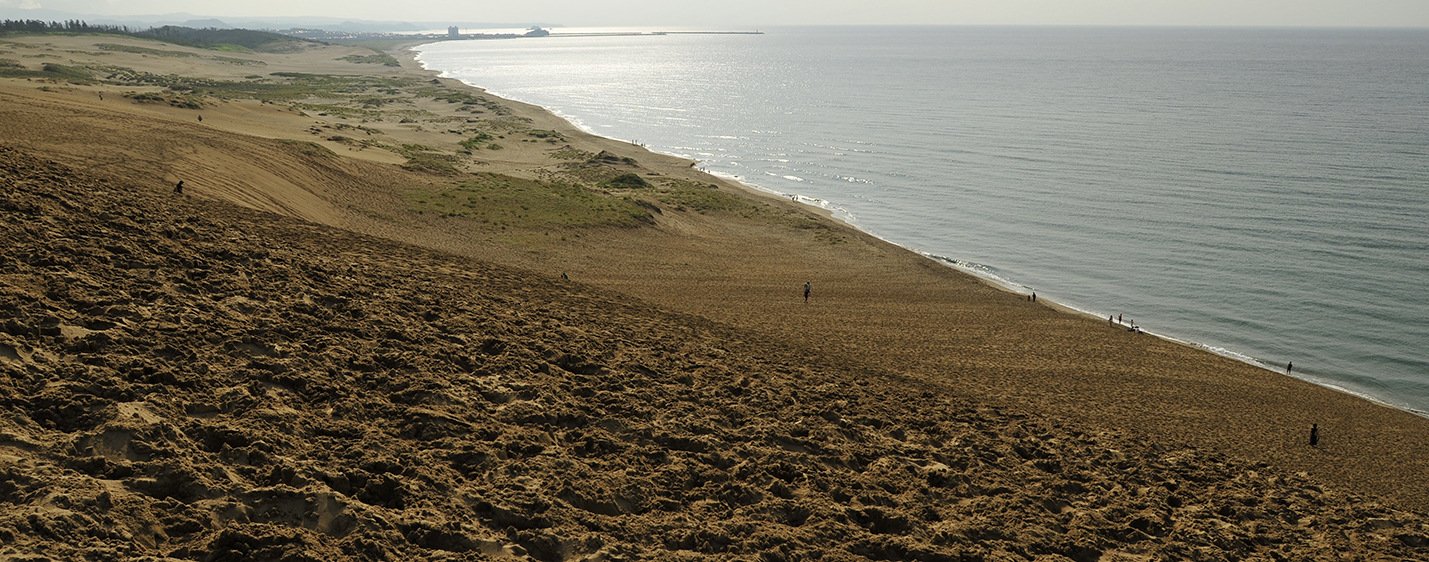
241	40
265	23
207	23
224	39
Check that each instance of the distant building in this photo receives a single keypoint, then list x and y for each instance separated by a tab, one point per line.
453	32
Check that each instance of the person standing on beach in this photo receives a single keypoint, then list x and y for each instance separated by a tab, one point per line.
807	287
179	188
1288	366
1314	434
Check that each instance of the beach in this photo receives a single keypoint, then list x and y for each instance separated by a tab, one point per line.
360	333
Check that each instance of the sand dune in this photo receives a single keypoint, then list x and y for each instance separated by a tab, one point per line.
337	349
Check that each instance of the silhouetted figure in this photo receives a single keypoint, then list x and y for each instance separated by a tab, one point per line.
1034	296
564	276
200	119
1108	321
1118	319
179	188
1288	366
807	287
1314	434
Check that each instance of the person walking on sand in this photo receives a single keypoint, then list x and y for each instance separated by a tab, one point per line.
179	188
1314	434
807	287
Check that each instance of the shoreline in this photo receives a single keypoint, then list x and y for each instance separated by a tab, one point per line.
885	322
1010	286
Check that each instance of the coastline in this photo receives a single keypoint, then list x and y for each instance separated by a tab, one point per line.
352	336
1011	286
1214	391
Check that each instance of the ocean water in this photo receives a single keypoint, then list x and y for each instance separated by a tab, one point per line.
1263	193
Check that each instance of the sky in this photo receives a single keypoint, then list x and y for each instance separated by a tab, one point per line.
755	13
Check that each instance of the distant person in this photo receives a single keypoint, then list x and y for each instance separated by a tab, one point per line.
1034	296
1289	366
566	277
807	288
1108	320
1314	434
101	96
1118	319
179	188
200	119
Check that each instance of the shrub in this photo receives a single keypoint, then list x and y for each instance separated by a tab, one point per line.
625	181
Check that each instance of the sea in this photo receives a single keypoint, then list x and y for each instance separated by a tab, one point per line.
1262	193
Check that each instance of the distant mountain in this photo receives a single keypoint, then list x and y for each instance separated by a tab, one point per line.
206	23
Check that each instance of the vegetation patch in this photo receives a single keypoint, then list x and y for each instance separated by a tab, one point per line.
383	59
479	140
568	153
585	171
176	100
507	124
238	61
625	181
686	195
278	87
464	98
50	71
306	148
433	163
606	157
506	201
422	158
683	195
226	40
143	50
339	111
342	127
67	72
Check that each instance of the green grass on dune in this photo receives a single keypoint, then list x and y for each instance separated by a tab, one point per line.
51	71
143	50
378	57
507	201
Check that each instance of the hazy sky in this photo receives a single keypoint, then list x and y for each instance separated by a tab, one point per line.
753	13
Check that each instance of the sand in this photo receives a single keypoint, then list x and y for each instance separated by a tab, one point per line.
290	361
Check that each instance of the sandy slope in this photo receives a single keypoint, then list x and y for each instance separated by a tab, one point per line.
906	412
200	381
